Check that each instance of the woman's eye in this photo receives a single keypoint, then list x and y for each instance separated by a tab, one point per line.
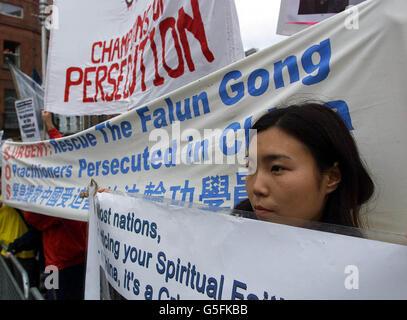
277	169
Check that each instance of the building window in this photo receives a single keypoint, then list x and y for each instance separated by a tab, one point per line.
10	116
11	53
10	10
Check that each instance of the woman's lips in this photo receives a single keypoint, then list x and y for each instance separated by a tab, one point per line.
262	211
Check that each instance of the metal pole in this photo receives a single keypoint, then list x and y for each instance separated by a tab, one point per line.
35	293
23	272
43	5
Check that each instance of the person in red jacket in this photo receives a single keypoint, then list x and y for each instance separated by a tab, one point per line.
64	243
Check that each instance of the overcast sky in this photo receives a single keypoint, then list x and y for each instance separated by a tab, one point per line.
258	22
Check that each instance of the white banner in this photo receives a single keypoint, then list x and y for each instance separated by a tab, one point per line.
182	145
27	120
107	56
146	250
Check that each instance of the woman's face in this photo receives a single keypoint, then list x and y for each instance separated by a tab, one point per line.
285	181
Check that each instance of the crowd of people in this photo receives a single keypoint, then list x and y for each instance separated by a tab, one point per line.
306	167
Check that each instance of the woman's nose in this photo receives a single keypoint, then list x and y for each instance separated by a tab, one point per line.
259	185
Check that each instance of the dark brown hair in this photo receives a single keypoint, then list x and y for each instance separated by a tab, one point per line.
328	139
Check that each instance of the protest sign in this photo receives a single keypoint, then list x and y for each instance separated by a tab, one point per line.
107	56
148	250
190	144
27	88
297	15
27	120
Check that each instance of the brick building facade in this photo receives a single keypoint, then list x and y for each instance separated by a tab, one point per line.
20	42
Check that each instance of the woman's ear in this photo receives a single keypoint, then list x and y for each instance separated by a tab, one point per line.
334	178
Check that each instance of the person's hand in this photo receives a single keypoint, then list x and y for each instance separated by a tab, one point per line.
10	250
47	119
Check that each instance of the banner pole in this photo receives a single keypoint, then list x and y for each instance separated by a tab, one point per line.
43	4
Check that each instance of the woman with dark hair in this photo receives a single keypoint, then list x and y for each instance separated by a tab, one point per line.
306	166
